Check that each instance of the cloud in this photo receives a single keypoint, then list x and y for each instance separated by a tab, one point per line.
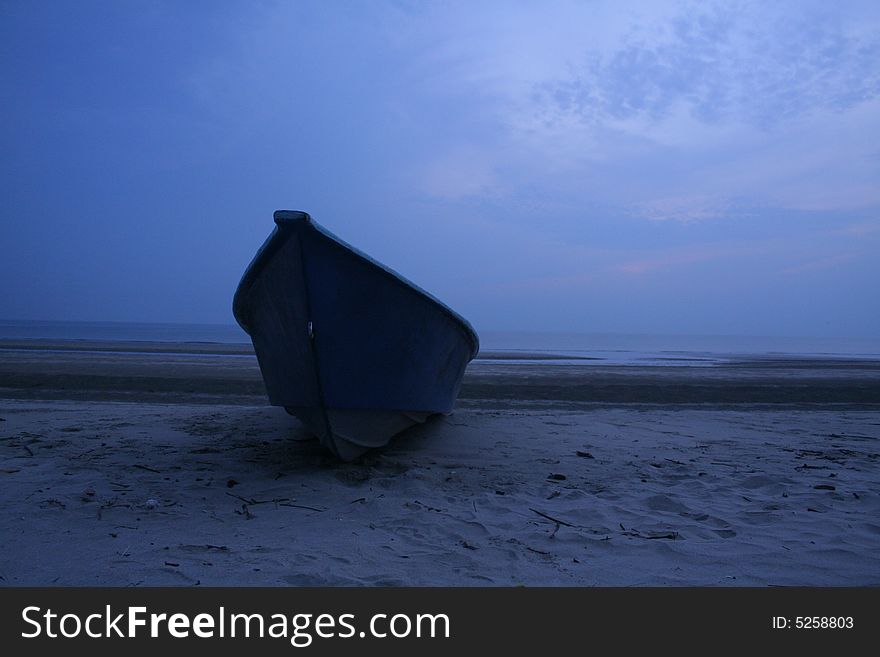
766	104
461	173
806	251
661	259
821	264
859	229
684	209
725	62
670	110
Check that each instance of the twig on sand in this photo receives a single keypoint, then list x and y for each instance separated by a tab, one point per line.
243	499
302	506
252	502
669	535
280	501
551	518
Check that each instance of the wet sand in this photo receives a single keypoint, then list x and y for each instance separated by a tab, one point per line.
161	464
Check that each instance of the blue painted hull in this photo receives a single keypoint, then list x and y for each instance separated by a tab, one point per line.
354	350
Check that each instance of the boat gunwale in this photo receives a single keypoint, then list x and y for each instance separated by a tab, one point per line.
287	221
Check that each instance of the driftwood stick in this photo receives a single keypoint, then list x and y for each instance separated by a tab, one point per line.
301	506
551	518
280	501
243	499
252	502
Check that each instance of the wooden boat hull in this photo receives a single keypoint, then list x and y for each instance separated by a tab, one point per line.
349	347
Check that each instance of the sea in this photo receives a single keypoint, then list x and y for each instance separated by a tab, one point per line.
519	346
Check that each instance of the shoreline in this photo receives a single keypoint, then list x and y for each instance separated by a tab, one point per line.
229	374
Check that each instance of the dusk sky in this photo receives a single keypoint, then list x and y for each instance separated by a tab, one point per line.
683	168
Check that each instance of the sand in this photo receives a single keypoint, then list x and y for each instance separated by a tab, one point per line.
153	464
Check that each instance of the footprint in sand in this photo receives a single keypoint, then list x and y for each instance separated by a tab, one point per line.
667	504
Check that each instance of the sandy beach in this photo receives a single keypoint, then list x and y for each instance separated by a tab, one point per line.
162	464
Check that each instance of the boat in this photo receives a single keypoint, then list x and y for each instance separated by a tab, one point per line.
351	348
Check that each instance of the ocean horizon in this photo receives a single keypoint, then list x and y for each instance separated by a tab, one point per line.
607	348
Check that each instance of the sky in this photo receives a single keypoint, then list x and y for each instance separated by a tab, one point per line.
626	167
